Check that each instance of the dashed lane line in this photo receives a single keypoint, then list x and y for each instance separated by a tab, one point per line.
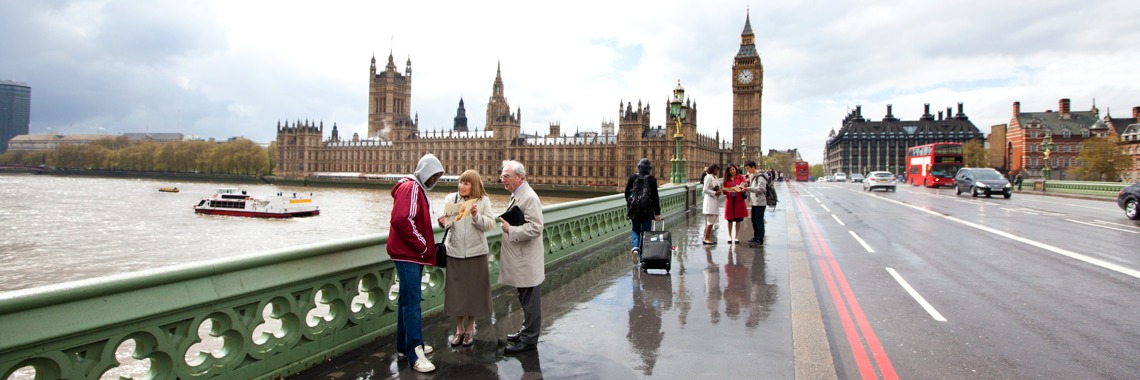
861	242
1103	226
917	297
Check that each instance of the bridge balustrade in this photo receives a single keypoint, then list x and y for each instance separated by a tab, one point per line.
263	315
1101	189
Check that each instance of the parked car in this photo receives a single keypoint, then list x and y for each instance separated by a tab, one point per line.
879	180
856	178
979	181
841	177
1128	198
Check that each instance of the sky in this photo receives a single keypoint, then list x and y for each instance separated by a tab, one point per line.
219	69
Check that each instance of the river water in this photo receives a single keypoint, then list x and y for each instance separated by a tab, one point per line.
56	229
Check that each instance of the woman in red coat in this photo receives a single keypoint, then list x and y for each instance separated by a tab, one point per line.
735	208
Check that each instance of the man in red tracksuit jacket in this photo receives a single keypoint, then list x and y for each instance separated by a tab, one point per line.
411	245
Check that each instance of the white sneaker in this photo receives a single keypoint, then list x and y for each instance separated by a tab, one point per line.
422	362
427	350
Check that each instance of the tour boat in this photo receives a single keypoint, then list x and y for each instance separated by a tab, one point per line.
235	202
168	189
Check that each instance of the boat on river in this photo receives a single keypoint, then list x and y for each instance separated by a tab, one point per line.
235	202
168	189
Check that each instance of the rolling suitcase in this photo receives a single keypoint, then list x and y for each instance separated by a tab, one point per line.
656	249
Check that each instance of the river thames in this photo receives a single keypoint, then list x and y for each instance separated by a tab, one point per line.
58	229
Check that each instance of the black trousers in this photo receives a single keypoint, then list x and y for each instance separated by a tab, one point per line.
530	298
758	223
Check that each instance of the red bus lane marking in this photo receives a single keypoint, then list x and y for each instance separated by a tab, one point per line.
837	284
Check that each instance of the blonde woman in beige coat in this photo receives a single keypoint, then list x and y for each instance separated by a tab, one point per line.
467	288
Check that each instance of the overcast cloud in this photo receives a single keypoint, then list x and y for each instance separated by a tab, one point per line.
224	68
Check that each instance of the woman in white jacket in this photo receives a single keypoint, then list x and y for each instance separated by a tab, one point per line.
712	202
467	288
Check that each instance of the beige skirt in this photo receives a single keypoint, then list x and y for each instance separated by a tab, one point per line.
467	288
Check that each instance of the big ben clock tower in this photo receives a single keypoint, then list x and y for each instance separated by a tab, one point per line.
747	91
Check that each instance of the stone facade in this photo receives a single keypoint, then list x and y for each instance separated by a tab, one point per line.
395	142
747	93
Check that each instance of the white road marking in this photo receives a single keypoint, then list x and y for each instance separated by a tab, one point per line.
861	242
1059	251
837	220
1021	210
917	297
1102	226
1117	224
825	207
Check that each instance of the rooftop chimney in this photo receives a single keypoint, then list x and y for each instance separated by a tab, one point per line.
1016	108
1136	113
1064	108
939	115
926	112
961	112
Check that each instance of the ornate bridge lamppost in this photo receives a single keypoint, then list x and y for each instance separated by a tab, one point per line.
1049	146
678	112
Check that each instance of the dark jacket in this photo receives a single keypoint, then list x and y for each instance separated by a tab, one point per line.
643	169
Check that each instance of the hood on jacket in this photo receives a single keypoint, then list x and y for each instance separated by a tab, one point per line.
428	166
644	166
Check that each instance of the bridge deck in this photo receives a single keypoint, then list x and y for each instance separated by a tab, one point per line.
725	311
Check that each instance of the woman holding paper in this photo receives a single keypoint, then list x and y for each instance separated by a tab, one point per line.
735	209
467	288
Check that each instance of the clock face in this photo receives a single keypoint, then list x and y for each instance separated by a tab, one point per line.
745	76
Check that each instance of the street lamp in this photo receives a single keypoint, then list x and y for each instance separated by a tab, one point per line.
678	112
743	155
1048	145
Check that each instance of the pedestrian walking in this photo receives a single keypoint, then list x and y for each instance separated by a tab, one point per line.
711	206
411	245
735	209
641	202
523	264
757	199
467	287
1018	179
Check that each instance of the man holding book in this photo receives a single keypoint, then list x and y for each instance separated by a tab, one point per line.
523	265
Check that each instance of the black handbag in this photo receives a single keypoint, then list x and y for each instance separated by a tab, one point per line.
441	251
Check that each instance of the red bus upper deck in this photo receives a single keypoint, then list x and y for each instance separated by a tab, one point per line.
803	171
933	165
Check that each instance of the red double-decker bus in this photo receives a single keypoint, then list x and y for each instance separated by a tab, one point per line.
803	172
933	165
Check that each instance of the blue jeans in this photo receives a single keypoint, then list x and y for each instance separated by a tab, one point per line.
638	227
409	320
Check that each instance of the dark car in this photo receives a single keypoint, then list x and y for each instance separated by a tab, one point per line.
979	181
1128	199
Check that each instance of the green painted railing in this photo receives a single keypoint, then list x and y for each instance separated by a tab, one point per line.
263	315
1100	189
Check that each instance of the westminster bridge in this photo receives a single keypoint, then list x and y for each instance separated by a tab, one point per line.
918	283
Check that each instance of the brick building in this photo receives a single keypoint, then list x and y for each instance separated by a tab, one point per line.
862	145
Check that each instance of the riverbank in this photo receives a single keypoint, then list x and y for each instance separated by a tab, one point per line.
495	187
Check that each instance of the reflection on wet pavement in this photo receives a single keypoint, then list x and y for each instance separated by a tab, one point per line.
746	328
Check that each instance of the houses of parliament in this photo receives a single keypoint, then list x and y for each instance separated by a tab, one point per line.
395	142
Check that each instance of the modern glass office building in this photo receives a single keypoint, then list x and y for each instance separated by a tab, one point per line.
15	111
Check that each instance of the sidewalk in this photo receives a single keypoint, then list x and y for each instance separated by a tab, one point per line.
724	311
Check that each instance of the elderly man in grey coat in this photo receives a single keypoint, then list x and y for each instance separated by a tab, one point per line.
522	256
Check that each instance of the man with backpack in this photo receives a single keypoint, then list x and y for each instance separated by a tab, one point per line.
641	201
759	186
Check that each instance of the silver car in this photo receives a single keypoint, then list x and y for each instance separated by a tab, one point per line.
879	180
